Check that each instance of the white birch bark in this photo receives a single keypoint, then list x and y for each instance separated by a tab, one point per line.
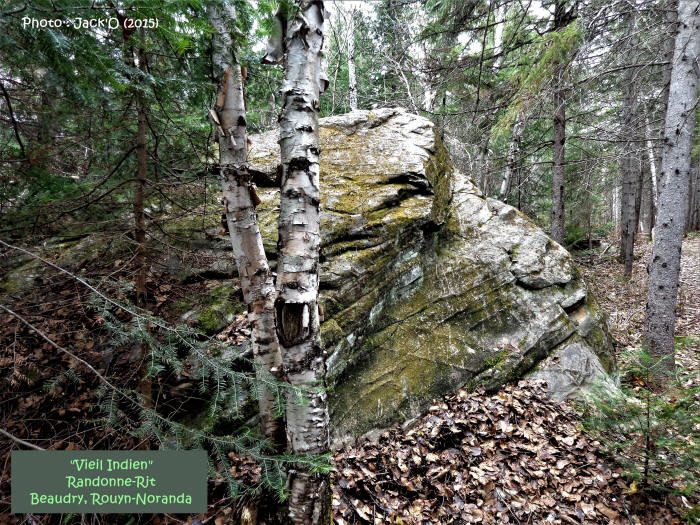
652	168
615	207
298	258
664	267
352	76
240	198
512	157
500	22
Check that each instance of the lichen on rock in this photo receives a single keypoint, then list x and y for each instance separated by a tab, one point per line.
426	284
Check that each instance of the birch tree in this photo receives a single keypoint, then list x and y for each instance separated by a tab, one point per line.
653	177
513	158
664	268
299	42
240	199
352	75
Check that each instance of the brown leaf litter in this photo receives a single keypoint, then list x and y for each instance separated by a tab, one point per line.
509	457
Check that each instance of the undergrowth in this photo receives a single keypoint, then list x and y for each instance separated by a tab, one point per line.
650	430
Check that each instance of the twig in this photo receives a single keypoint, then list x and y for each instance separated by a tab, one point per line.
20	441
605	250
59	347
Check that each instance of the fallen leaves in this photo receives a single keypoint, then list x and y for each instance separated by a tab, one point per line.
511	457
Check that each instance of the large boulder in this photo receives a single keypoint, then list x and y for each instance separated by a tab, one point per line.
427	285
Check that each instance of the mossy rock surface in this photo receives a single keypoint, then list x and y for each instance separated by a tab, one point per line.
426	285
212	310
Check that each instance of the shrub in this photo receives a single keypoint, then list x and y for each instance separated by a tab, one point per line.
651	432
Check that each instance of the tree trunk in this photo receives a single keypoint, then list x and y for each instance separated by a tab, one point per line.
589	214
558	178
670	15
140	181
630	167
693	220
240	198
352	77
482	165
45	132
615	208
664	268
562	18
645	206
499	26
299	244
512	159
638	191
140	269
13	120
653	175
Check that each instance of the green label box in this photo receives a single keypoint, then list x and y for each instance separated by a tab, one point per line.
104	481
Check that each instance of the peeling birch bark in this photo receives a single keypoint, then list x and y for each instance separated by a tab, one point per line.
240	199
298	253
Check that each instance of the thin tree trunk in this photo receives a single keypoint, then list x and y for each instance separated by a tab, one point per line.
558	179
664	267
512	159
653	175
562	18
638	192
299	244
615	208
139	191
240	198
645	208
352	77
483	164
140	264
520	185
589	214
399	69
13	120
500	24
629	162
45	128
273	111
693	221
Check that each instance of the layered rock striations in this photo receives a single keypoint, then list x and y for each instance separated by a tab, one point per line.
426	284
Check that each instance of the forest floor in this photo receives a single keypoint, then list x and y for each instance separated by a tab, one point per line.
624	299
510	457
